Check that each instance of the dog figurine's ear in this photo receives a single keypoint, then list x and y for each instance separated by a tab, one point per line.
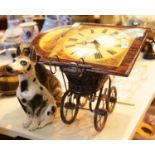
26	51
30	52
18	51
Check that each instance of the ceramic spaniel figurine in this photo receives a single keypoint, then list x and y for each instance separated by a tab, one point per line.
35	99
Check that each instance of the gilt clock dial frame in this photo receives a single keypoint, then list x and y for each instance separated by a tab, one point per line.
107	49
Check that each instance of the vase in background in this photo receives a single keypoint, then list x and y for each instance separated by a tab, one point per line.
50	21
29	19
13	33
65	20
29	32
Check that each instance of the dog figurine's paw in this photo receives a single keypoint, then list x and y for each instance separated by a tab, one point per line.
27	123
33	126
41	126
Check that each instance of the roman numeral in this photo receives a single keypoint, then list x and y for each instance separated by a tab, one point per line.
92	31
98	55
68	46
118	45
73	39
111	52
72	53
105	30
81	34
114	33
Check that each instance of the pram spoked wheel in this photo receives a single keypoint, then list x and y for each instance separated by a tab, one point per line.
69	107
100	113
112	99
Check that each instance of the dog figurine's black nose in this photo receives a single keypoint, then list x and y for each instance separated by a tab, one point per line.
8	69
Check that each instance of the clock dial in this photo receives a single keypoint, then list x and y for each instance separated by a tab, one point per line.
97	45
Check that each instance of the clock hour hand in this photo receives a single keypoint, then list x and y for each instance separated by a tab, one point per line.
98	55
97	46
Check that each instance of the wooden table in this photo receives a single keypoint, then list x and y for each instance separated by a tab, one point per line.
135	94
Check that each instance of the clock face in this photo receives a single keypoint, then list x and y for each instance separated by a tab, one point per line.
98	45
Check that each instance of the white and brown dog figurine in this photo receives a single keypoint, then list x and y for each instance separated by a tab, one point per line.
35	99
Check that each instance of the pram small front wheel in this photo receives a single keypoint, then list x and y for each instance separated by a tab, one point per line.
69	107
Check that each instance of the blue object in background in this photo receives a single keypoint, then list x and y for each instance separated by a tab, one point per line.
65	20
52	21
